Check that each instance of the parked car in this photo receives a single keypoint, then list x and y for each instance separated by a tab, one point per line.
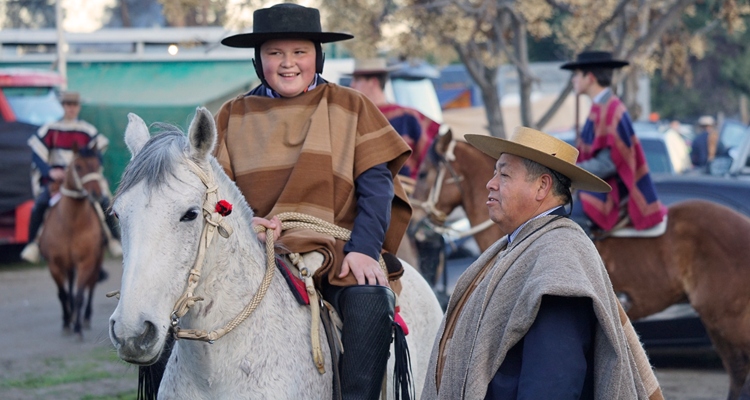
28	99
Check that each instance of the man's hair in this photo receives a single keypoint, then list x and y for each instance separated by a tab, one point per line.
603	76
382	78
560	182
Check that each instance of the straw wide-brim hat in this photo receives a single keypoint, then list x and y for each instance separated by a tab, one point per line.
284	21
547	150
372	66
594	59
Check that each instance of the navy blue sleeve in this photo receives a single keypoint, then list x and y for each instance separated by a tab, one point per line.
557	351
374	192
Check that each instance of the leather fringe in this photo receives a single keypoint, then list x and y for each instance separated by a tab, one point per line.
403	386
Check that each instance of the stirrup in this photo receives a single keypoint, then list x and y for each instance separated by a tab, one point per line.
31	253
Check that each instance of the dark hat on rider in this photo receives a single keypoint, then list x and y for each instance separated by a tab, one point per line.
284	21
544	149
594	59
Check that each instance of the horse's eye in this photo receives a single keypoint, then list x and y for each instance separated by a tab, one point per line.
114	214
422	175
189	216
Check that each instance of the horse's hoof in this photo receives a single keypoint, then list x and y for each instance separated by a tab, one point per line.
67	331
103	275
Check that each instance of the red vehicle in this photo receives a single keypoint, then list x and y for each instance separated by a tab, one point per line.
28	99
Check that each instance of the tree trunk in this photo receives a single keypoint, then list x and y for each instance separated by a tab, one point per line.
522	67
125	14
486	78
630	94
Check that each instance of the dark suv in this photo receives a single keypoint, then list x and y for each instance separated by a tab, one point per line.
28	99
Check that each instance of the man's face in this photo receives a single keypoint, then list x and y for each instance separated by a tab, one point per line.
288	65
72	109
581	81
365	84
512	198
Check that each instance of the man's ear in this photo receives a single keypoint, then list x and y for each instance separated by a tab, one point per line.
545	186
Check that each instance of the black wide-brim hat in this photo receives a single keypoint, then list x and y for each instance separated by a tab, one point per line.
594	59
284	21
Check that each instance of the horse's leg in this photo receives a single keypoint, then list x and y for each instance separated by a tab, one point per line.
71	289
745	393
735	362
87	314
65	302
59	277
77	327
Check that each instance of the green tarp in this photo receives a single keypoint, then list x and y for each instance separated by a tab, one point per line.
156	91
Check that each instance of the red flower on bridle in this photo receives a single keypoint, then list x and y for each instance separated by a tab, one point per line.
224	208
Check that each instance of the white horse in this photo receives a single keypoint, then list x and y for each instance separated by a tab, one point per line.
268	356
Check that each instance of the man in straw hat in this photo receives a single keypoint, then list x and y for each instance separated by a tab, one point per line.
535	316
53	149
297	143
369	77
610	150
706	145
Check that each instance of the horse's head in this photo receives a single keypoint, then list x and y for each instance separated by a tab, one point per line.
161	204
437	191
83	175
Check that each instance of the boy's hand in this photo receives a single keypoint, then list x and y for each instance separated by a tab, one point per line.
273	223
366	270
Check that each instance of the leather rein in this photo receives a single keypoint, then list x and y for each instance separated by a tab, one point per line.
437	218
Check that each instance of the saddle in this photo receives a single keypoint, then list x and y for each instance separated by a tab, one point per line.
624	229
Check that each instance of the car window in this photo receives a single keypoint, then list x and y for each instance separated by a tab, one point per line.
418	94
732	134
34	105
657	155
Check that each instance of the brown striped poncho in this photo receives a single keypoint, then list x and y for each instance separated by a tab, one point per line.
302	154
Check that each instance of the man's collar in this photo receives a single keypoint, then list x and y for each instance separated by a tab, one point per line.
599	97
554	211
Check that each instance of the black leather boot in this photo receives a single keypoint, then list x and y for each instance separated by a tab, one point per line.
367	313
41	203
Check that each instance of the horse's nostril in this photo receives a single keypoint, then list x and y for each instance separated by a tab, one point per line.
112	333
148	336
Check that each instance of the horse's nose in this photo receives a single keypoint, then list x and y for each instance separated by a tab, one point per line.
144	340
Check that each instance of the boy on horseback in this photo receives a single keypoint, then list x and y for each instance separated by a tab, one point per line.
297	143
52	147
610	150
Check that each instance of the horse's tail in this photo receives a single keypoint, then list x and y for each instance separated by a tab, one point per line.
403	386
149	377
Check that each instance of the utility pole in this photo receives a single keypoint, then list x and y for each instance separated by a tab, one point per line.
61	44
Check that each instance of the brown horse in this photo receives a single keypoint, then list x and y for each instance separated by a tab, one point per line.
72	240
702	257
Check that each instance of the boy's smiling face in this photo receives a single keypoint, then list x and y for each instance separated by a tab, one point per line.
288	65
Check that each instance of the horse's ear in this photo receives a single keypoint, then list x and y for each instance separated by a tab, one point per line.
444	140
202	134
136	134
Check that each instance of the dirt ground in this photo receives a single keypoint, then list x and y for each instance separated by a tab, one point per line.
38	362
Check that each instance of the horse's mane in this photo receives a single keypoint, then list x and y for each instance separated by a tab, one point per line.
158	159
